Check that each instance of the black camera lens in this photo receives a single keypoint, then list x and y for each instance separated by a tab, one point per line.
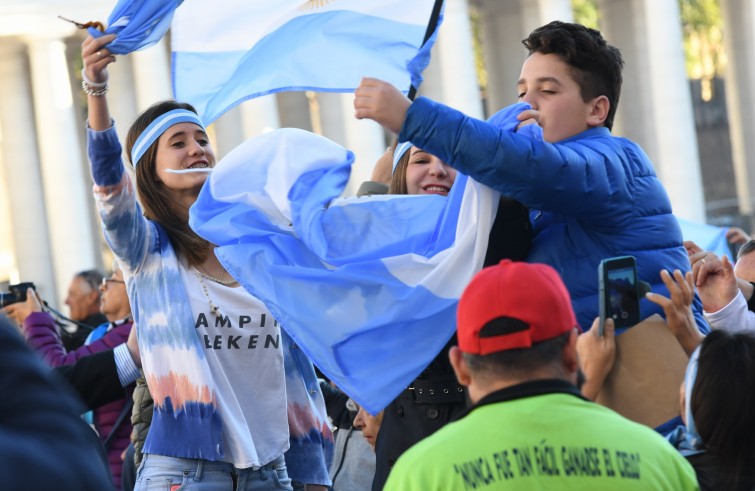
16	294
7	298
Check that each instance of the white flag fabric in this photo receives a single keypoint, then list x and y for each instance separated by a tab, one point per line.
229	51
366	286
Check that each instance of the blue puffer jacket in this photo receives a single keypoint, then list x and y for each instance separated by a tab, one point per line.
592	196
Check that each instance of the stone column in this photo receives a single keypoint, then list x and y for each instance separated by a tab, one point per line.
260	115
455	54
739	19
656	105
432	83
504	25
536	13
293	110
333	113
228	132
502	33
332	117
248	119
152	75
121	97
365	138
66	186
24	198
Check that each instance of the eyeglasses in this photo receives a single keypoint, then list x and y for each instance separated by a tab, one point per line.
105	282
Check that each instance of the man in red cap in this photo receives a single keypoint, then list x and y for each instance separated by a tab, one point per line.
529	426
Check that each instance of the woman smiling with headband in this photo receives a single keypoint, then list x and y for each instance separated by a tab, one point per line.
211	352
435	398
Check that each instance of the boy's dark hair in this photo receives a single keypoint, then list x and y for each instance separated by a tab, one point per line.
518	362
723	401
596	64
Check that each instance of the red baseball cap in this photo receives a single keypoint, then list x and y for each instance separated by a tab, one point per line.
513	305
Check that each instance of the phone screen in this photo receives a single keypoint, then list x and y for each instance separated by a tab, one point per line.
622	300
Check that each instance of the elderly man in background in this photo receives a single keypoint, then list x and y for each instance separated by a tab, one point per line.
83	302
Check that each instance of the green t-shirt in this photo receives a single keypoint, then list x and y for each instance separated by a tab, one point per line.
552	441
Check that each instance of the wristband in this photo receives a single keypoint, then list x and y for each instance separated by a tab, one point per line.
91	84
96	92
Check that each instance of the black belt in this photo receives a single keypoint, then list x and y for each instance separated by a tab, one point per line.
439	391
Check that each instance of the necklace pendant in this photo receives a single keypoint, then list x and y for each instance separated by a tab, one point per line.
214	309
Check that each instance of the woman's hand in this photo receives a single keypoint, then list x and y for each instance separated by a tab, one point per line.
96	58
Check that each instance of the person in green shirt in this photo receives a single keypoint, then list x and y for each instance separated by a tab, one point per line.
528	426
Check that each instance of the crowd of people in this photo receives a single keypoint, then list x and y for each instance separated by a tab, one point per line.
508	403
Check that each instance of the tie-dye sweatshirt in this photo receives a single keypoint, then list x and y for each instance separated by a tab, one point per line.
186	422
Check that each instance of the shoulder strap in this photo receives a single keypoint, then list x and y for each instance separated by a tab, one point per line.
125	411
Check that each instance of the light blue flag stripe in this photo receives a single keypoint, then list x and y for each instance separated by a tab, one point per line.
366	286
709	237
138	24
328	52
329	49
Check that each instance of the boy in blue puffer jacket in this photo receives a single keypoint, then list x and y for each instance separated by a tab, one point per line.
591	195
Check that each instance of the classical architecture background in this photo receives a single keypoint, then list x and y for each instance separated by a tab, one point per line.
48	226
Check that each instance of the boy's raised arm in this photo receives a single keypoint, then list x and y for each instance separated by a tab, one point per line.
381	102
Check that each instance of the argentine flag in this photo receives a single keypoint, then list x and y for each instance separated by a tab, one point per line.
137	24
228	51
366	286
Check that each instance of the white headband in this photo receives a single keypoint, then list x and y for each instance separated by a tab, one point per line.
401	149
158	127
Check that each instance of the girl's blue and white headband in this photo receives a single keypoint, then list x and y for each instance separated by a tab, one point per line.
158	127
401	149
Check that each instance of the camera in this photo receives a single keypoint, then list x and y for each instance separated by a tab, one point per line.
619	292
16	293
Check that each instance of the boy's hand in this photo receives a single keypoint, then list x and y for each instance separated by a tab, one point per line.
527	117
381	102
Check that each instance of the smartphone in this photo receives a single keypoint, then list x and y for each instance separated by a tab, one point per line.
619	292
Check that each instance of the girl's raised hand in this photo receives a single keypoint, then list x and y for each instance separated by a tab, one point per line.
96	58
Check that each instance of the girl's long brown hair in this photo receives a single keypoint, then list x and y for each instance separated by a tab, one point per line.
172	216
398	181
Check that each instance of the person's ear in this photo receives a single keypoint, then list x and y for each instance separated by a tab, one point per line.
569	353
94	296
461	369
599	108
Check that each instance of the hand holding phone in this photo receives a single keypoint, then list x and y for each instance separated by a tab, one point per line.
619	292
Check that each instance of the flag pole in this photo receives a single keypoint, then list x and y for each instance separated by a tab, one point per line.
431	26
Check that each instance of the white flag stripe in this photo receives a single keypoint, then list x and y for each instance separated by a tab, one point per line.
201	26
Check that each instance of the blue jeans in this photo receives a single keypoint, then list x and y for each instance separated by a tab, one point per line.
159	473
